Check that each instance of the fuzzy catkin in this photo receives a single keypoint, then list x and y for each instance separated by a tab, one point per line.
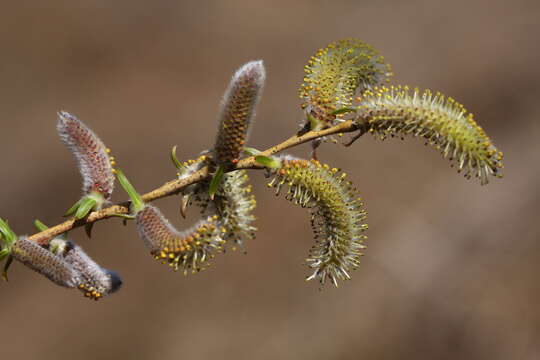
91	154
95	281
237	112
45	262
335	74
189	250
441	121
69	267
337	215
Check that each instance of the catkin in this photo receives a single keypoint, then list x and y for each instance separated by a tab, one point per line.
335	74
95	164
233	205
237	112
337	215
441	121
68	266
189	250
95	281
45	262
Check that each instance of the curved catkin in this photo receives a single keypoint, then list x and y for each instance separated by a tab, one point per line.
337	215
189	250
443	122
45	262
95	165
335	74
95	281
237	111
233	205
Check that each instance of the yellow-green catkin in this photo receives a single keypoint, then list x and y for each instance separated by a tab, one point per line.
237	112
441	121
233	205
337	215
335	74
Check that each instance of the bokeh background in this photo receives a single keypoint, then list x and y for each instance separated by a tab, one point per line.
452	267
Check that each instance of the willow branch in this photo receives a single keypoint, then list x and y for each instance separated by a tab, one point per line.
175	186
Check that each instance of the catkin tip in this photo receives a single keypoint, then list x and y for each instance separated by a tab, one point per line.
253	71
67	265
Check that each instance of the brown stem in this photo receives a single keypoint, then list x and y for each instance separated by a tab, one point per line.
174	186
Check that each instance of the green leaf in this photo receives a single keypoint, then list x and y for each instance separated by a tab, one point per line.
6	268
214	183
8	235
268	161
136	199
40	226
249	151
74	208
343	111
175	160
88	229
87	204
4	253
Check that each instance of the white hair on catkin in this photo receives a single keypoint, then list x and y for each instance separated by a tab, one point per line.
96	281
69	266
41	260
90	152
189	250
237	111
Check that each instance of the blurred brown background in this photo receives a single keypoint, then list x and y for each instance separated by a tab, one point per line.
452	267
